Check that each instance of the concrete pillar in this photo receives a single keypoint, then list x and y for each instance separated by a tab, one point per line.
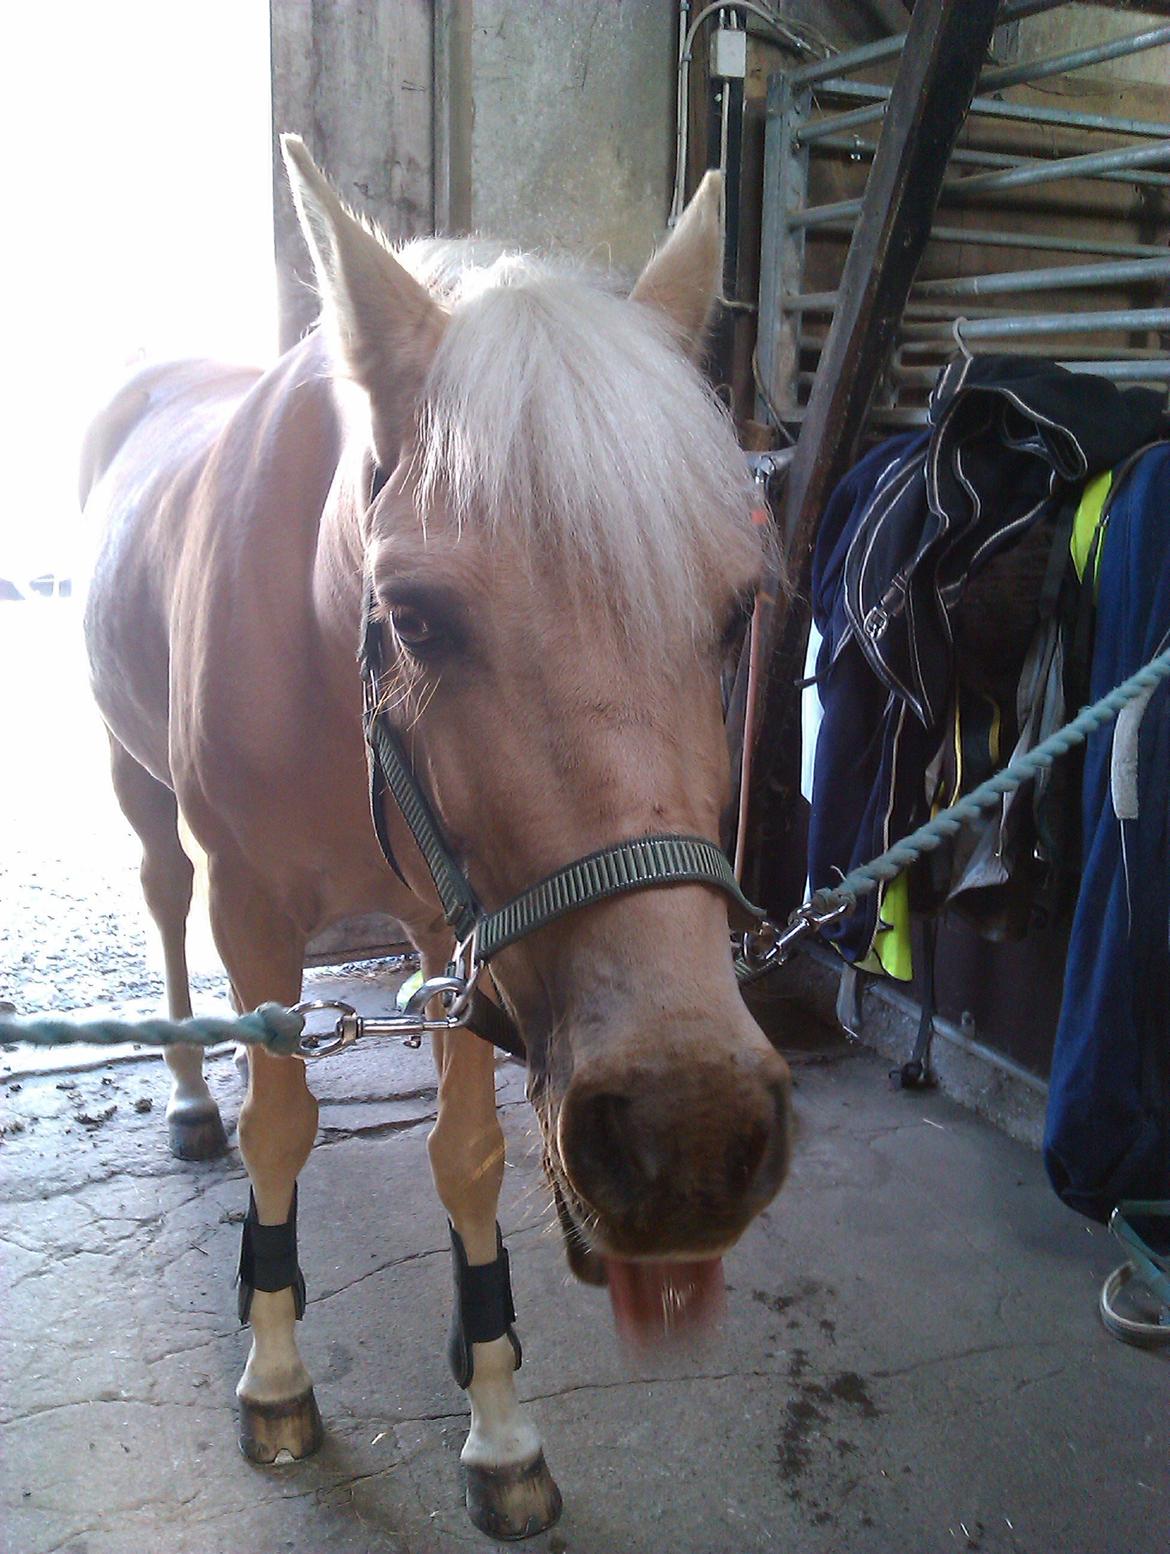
555	122
354	78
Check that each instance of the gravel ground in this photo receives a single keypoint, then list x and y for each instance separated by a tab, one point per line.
73	929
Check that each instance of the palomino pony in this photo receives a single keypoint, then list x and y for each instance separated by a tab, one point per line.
529	476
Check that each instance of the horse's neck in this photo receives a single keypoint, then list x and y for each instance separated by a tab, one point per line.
337	440
339	566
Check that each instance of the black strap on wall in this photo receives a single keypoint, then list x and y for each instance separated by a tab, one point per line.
916	1073
268	1259
483	1309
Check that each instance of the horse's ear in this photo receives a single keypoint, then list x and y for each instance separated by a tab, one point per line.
683	279
387	326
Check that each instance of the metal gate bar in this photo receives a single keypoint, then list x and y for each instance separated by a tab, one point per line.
966	156
1044	324
1024	172
1048	242
996	79
890	48
833	360
787	350
1076	59
1124	272
982	107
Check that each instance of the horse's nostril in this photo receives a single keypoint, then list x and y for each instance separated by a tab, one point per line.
772	1163
781	1092
678	1161
609	1159
744	1152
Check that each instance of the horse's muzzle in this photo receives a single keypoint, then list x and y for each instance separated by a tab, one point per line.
675	1160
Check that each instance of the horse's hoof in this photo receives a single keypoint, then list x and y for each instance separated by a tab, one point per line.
272	1430
515	1502
198	1137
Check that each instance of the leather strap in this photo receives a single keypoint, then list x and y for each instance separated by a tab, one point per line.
268	1259
483	1309
495	1025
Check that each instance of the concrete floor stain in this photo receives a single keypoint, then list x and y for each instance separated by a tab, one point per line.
809	1415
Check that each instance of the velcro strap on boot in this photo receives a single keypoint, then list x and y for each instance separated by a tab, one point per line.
268	1259
483	1309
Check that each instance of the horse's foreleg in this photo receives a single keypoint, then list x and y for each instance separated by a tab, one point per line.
278	1122
510	1492
278	1412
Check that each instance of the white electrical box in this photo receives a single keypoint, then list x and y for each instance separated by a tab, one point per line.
729	53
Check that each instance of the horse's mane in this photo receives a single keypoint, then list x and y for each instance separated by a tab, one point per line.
566	417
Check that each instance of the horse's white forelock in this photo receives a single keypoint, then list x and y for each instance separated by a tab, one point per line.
566	420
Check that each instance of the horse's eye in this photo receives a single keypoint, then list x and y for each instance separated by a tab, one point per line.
411	626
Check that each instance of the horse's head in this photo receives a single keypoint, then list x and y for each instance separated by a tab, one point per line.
561	552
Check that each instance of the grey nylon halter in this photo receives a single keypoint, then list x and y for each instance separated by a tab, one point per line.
638	863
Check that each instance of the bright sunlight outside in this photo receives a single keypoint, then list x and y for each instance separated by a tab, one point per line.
139	211
139	228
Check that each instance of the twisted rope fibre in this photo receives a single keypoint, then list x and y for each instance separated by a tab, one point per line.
865	879
271	1026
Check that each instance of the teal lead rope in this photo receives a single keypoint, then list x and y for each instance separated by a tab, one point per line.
271	1026
762	953
863	880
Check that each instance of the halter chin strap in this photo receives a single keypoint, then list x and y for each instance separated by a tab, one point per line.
640	863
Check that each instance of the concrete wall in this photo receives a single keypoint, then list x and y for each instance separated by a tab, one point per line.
572	123
353	77
545	122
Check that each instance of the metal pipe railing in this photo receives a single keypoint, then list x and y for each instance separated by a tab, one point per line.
890	48
1057	277
826	301
965	156
1011	325
1049	242
1021	176
928	311
1089	352
986	107
929	317
1076	59
1059	168
818	215
1154	370
887	416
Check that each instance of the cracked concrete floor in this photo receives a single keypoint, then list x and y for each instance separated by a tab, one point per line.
911	1358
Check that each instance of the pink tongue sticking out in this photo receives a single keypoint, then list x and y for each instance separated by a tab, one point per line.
658	1303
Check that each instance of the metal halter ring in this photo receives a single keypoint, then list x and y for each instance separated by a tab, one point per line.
769	945
465	968
410	1022
344	1033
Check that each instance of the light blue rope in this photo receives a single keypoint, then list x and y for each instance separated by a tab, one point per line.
865	879
272	1026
